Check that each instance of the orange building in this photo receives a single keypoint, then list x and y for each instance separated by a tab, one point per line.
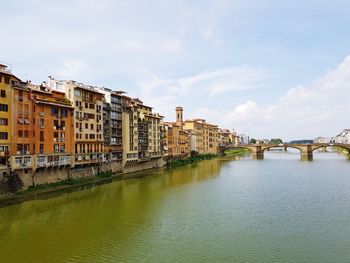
22	130
42	130
53	127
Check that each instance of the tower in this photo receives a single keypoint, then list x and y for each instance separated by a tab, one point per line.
179	116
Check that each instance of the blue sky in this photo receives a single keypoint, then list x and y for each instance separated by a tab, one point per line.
267	68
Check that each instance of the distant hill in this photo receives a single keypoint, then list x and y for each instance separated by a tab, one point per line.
301	141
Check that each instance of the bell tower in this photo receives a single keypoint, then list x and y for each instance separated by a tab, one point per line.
179	116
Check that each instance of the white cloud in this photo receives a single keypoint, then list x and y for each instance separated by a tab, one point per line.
320	108
171	45
225	80
165	94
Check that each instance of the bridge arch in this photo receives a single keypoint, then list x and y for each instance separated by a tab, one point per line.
284	146
341	146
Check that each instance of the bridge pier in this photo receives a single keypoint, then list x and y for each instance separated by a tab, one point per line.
257	153
307	156
307	153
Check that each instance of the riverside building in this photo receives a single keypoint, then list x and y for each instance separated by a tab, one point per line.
112	128
6	78
203	136
42	130
142	135
88	126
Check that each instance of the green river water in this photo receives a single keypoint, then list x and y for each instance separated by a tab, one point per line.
279	209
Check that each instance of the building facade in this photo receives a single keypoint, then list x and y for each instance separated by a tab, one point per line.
204	136
42	128
343	137
143	134
6	106
53	128
88	126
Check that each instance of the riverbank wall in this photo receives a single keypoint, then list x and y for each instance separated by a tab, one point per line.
52	175
52	180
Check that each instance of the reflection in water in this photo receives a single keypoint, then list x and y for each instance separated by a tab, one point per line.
221	210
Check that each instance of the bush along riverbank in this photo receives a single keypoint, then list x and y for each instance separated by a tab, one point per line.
194	158
238	152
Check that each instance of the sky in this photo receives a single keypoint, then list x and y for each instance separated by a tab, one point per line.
267	68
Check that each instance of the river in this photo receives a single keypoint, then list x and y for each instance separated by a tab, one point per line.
279	209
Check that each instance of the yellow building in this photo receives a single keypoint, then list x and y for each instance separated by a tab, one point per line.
204	136
177	141
6	79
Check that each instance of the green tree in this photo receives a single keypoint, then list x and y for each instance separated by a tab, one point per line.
252	141
10	182
276	141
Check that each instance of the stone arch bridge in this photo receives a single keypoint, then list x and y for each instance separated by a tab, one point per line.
306	150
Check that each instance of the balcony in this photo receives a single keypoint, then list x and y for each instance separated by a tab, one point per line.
21	162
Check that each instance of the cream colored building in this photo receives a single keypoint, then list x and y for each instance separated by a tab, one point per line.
203	136
88	126
142	132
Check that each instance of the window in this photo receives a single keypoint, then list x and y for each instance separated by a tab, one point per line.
59	86
63	124
20	133
26	134
41	123
3	121
7	80
86	126
41	136
3	136
77	92
91	126
56	148
3	93
41	148
63	112
4	107
54	111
